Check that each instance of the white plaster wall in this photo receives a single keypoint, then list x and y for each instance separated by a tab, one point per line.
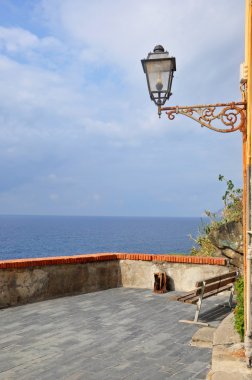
182	277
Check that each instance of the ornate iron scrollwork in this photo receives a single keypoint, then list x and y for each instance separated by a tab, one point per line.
232	115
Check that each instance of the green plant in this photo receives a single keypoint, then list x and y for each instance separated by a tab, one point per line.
206	246
232	201
239	310
232	212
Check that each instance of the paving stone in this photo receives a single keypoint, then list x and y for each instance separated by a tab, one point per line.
182	375
150	374
196	366
113	334
202	374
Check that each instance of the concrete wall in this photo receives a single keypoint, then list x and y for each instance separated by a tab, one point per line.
24	281
25	285
181	276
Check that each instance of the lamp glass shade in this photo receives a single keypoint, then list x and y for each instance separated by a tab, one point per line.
159	68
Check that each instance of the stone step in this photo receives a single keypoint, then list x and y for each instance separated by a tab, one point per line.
203	337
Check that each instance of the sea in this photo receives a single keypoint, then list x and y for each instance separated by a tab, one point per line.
46	236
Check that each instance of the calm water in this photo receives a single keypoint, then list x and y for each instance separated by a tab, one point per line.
39	236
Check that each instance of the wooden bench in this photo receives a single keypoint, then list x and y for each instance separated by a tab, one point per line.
207	288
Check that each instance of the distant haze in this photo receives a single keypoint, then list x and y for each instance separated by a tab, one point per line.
78	132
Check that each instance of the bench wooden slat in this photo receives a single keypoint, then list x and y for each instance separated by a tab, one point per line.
194	294
217	278
186	296
216	285
222	289
195	299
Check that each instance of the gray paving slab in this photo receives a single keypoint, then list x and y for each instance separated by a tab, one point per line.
113	334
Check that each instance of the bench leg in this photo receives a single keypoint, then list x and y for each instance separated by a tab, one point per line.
199	303
198	307
196	317
230	302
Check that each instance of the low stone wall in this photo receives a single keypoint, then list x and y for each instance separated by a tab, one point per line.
181	276
29	280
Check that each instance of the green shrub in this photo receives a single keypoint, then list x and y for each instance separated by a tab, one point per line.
231	212
232	202
239	310
206	246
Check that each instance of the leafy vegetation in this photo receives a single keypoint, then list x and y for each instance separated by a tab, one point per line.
239	310
232	212
232	198
204	247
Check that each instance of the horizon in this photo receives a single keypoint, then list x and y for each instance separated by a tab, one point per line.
110	216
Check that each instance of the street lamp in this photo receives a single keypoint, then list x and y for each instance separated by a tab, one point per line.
159	68
223	118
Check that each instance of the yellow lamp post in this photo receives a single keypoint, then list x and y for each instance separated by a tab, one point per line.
229	117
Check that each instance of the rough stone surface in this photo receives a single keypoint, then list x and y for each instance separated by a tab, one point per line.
220	375
203	337
228	235
181	277
228	358
23	285
30	284
228	239
226	335
113	334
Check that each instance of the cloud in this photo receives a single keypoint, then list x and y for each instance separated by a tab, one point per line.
120	32
96	197
54	197
76	120
16	39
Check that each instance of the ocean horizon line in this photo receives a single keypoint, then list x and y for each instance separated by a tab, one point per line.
108	216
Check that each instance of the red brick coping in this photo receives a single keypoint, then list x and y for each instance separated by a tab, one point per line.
81	259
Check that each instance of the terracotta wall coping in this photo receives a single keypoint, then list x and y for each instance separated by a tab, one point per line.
81	259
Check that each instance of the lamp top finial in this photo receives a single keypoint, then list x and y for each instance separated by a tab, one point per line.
158	49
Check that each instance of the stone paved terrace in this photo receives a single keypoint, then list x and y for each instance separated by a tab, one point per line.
113	334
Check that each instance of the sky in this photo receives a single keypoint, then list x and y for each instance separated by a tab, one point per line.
79	134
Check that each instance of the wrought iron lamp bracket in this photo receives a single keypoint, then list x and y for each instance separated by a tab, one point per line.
232	115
